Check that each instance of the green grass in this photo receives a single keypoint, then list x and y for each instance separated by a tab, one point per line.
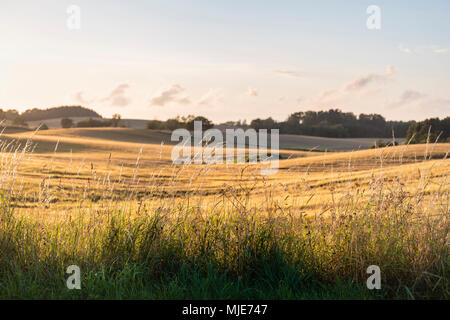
222	256
136	281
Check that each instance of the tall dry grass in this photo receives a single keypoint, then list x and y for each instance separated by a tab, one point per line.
252	233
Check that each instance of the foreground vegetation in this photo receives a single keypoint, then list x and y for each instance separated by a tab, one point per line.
143	228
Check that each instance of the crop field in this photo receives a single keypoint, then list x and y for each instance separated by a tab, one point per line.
112	202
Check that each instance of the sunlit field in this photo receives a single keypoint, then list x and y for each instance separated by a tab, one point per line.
112	202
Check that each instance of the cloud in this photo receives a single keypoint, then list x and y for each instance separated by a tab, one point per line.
410	96
363	82
356	88
252	92
172	94
118	97
404	49
79	97
416	102
211	98
441	50
290	73
424	49
418	105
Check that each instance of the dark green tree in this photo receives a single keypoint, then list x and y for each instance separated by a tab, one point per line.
430	130
206	123
115	121
66	123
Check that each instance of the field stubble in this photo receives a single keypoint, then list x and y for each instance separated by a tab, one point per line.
140	227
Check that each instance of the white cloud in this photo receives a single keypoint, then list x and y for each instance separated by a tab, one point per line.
118	97
79	97
363	82
404	49
413	97
212	97
441	50
424	49
415	102
354	89
172	94
410	96
290	73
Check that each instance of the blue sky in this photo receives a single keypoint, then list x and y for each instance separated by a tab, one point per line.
227	60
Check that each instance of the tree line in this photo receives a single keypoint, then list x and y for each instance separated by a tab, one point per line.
179	122
58	112
36	114
332	123
430	130
336	124
115	121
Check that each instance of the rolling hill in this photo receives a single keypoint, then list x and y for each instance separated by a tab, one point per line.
145	136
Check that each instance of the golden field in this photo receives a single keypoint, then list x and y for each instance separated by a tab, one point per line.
351	207
66	167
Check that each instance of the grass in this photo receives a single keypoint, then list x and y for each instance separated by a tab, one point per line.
142	228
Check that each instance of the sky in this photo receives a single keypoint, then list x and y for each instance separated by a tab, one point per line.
228	59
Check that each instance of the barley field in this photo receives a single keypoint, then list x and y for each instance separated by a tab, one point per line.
139	227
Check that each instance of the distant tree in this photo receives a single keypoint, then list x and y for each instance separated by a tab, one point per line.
18	121
256	124
400	128
115	121
66	123
429	130
381	144
58	112
11	114
331	123
372	120
93	123
187	119
268	124
335	123
206	124
155	125
173	124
